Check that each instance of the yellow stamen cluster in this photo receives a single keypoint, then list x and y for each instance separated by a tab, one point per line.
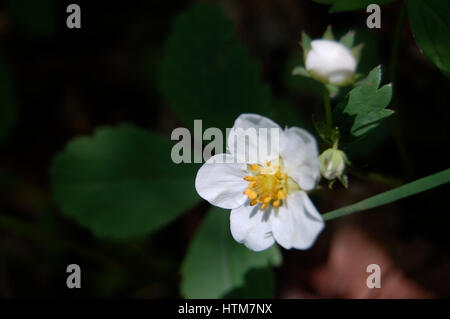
267	185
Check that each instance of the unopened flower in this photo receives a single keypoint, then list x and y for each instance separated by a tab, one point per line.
332	164
330	62
268	196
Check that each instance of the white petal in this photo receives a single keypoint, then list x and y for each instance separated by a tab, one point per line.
222	182
252	227
247	134
297	223
306	177
331	60
297	146
300	157
247	120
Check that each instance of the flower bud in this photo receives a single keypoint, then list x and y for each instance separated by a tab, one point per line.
332	164
330	62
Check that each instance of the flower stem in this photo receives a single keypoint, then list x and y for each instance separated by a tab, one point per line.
327	105
406	190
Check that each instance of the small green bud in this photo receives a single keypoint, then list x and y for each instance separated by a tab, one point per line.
332	164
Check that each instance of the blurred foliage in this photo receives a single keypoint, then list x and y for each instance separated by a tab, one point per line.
362	149
285	113
207	74
36	18
8	107
430	23
370	51
259	283
350	5
215	263
121	182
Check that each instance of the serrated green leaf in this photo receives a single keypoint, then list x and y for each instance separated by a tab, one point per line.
430	24
393	195
8	107
350	5
121	182
206	71
364	107
215	263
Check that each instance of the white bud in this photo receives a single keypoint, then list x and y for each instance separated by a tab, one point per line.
330	62
332	163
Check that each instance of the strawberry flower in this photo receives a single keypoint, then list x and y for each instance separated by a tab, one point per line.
266	192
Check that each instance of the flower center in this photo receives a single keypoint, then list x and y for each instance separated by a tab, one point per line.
267	184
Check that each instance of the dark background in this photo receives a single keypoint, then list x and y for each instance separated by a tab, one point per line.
68	82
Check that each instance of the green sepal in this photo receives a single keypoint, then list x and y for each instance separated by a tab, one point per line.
333	90
328	34
305	44
299	70
331	183
344	180
348	39
356	51
329	136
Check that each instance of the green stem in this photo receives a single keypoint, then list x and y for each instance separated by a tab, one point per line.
327	105
392	195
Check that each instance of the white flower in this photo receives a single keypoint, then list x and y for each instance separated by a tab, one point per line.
268	198
330	62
